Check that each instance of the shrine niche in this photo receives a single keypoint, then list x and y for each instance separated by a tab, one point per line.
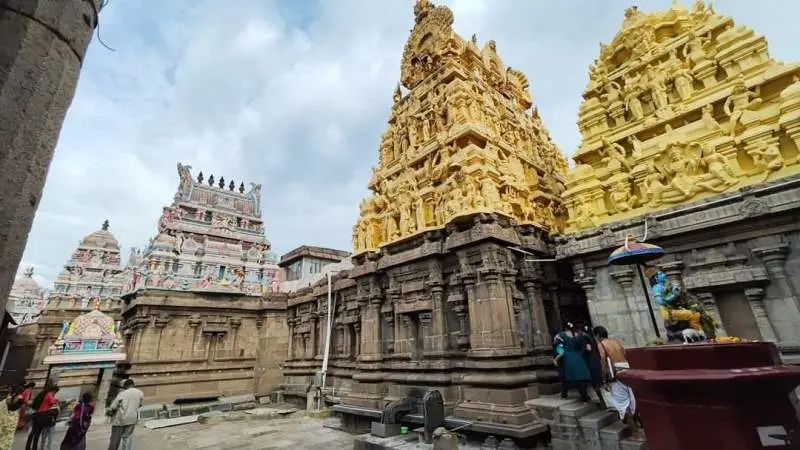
682	105
90	342
462	139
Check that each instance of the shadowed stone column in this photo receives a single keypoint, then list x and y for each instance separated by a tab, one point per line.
710	305
44	43
781	304
756	298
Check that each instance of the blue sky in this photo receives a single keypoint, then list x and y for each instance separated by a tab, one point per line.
293	95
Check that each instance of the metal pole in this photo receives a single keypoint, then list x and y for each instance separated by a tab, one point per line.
649	302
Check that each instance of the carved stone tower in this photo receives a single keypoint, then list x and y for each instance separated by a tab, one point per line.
441	295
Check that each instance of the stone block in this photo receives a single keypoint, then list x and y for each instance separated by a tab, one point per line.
149	412
384	429
563	444
612	435
633	444
598	419
210	418
323	413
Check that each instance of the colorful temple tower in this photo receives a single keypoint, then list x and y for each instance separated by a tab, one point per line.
26	300
92	279
193	305
210	239
445	288
691	137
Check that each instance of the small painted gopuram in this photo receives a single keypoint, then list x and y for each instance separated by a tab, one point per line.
440	295
92	279
690	140
26	299
194	307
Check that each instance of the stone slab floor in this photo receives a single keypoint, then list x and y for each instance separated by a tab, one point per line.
291	433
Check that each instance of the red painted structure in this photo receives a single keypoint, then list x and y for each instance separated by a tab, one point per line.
714	396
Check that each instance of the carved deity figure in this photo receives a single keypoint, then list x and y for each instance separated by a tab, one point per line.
611	93
621	198
741	100
718	166
654	186
614	155
583	214
767	157
696	49
632	102
682	79
665	293
682	169
658	91
636	145
708	120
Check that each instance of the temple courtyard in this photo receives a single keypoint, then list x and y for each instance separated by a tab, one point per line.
297	432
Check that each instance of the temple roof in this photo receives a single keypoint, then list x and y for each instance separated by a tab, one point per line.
101	238
25	285
92	325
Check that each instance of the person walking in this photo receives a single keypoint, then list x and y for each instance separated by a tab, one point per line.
612	355
570	347
27	395
45	407
594	363
78	425
124	413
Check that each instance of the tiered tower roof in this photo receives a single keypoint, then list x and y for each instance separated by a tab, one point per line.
682	104
211	238
462	139
26	299
93	273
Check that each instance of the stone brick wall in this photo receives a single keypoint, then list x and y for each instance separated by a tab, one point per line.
736	254
273	345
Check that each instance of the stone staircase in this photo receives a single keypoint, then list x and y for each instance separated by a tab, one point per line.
583	426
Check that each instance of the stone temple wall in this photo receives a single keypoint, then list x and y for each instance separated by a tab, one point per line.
735	253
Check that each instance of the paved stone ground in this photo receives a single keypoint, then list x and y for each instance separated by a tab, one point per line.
296	432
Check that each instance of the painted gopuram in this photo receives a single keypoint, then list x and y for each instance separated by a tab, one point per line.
441	294
26	299
92	279
194	309
690	140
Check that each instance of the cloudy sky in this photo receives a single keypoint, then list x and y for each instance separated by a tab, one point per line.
294	95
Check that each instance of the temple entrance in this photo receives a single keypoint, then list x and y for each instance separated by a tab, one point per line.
91	341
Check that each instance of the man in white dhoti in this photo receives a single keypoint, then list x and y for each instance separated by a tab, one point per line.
621	398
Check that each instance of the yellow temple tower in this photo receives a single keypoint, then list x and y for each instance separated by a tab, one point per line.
681	105
462	139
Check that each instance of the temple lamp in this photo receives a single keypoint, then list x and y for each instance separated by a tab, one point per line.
637	253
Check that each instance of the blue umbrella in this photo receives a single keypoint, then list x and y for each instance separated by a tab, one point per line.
637	253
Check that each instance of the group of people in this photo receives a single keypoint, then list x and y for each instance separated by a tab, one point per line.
41	413
587	358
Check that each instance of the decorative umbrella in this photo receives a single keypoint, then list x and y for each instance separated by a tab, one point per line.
638	253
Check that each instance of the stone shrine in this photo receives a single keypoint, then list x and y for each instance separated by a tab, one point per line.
26	300
194	307
92	279
440	295
690	140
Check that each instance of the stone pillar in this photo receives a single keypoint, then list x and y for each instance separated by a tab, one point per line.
437	333
425	331
102	399
371	330
45	44
587	282
640	326
781	303
710	305
756	298
491	315
290	354
541	332
313	336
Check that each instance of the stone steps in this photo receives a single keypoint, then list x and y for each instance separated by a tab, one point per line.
583	426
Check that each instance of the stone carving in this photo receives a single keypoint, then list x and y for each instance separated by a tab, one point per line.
223	249
427	175
644	80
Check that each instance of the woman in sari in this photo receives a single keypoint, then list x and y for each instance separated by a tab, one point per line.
78	424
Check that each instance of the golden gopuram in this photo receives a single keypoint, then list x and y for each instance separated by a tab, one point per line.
681	105
462	139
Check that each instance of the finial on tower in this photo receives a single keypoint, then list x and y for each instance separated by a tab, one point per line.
105	225
200	177
421	8
28	272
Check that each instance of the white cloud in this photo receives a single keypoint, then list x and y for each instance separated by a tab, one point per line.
290	94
